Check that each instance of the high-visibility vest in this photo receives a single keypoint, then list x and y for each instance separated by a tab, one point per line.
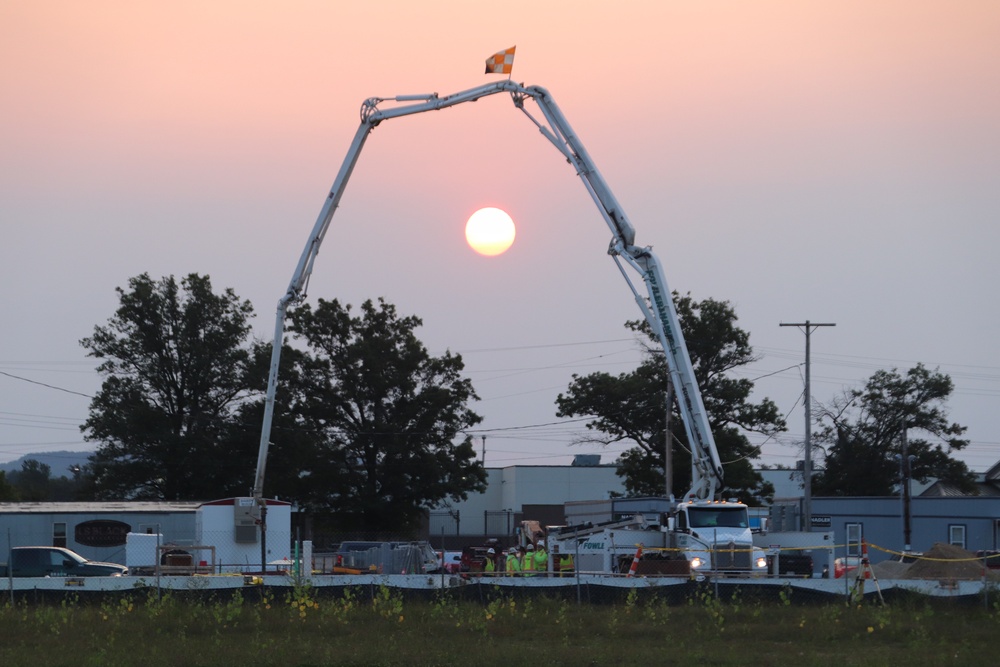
489	565
529	564
541	559
513	564
566	563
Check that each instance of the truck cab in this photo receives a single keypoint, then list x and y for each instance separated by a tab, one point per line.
715	536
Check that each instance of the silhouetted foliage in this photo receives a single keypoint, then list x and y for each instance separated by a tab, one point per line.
632	406
174	361
7	491
370	421
863	433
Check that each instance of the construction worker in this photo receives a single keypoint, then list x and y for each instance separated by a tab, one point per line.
528	566
566	565
541	559
490	563
513	565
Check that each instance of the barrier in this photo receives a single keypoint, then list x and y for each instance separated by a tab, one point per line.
635	562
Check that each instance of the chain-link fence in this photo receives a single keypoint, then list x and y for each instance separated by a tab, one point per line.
367	560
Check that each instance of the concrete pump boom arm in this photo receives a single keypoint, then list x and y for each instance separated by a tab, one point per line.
662	317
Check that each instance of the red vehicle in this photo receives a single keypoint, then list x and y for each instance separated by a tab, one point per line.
473	559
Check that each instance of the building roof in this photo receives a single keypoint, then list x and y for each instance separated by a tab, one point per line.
88	507
944	489
120	506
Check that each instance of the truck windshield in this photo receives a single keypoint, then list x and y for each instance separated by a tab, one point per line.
718	517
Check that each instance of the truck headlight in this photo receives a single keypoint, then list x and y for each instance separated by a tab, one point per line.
761	562
696	563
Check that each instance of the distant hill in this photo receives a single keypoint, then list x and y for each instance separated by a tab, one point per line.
58	462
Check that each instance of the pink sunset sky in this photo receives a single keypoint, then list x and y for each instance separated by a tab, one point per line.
830	161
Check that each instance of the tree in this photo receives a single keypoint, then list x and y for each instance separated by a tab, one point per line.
863	430
174	361
32	481
7	491
386	414
632	406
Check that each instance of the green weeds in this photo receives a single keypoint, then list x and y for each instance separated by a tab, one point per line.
378	625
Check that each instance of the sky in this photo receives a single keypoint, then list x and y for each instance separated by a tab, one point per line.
837	162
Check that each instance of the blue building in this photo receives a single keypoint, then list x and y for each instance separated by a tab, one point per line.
939	513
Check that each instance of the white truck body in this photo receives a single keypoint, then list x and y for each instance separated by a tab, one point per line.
698	537
819	545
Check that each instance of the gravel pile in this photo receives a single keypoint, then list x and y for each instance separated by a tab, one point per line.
945	561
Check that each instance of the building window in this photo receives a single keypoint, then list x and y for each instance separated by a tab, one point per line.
854	537
956	535
58	534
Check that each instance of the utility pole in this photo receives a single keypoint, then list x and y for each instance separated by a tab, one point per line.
905	469
808	327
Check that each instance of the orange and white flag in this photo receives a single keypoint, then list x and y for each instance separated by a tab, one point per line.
501	62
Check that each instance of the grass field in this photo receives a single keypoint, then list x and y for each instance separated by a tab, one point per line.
382	629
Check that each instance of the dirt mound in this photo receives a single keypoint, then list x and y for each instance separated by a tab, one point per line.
890	569
945	561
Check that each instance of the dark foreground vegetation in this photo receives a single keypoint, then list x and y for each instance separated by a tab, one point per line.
296	628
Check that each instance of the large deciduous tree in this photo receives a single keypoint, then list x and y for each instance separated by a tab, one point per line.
388	417
174	358
863	433
631	407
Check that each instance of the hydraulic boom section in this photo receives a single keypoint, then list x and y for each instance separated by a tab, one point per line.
659	311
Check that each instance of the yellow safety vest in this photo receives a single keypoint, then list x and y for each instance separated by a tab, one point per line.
529	564
541	561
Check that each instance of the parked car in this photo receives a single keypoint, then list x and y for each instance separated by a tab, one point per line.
56	562
992	557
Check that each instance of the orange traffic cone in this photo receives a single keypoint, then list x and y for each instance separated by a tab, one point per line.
635	562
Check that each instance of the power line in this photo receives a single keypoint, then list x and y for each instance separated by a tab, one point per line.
49	386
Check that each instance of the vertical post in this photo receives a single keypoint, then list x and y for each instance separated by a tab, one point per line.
905	462
10	569
576	570
668	459
158	588
263	537
807	401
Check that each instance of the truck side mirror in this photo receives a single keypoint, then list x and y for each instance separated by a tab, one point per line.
69	563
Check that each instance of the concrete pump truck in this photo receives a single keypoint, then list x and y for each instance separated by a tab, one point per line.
703	533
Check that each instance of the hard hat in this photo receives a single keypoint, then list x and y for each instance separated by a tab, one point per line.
531	547
512	550
541	543
490	551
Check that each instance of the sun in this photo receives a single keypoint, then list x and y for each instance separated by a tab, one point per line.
490	231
